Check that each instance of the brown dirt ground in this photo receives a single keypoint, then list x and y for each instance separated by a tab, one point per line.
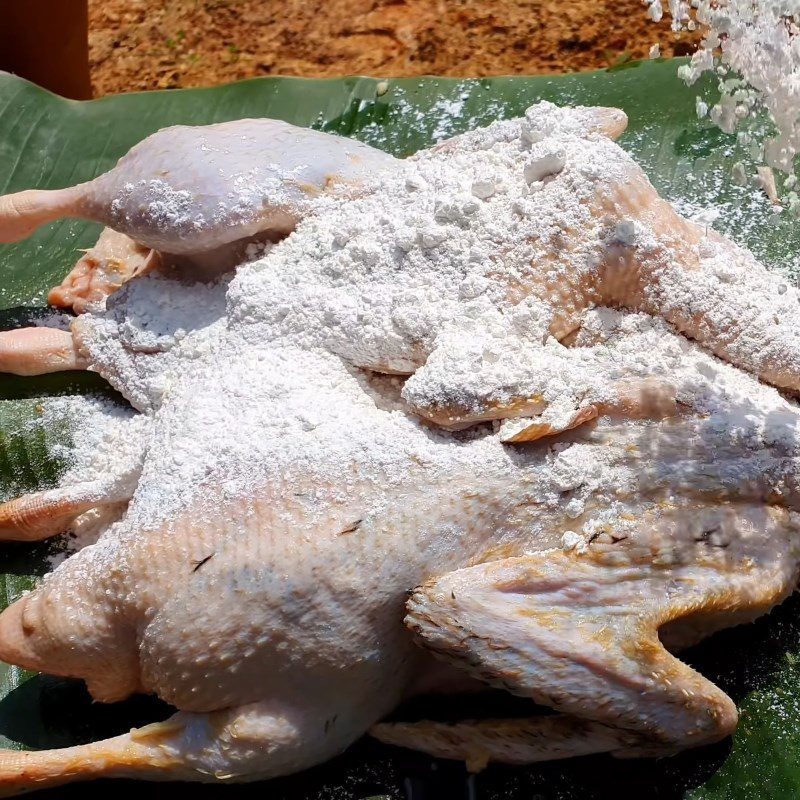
159	44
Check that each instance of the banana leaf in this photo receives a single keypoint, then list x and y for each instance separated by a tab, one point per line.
46	141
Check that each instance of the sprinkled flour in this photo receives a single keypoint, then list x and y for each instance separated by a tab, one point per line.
103	459
455	270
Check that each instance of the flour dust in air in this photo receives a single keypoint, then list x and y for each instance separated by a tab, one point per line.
753	48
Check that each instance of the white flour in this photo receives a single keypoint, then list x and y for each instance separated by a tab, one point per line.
104	457
150	330
267	381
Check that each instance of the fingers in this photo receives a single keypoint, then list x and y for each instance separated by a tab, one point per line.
22	213
38	351
103	269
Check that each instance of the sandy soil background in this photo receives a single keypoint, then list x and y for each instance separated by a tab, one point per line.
160	44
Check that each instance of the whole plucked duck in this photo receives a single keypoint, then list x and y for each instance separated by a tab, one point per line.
493	415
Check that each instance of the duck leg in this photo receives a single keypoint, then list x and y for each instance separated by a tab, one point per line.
43	514
579	632
709	288
186	190
504	741
260	740
188	195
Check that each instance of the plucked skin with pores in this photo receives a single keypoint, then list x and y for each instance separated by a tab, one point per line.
554	482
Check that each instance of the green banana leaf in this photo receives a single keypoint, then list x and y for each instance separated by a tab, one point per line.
46	141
